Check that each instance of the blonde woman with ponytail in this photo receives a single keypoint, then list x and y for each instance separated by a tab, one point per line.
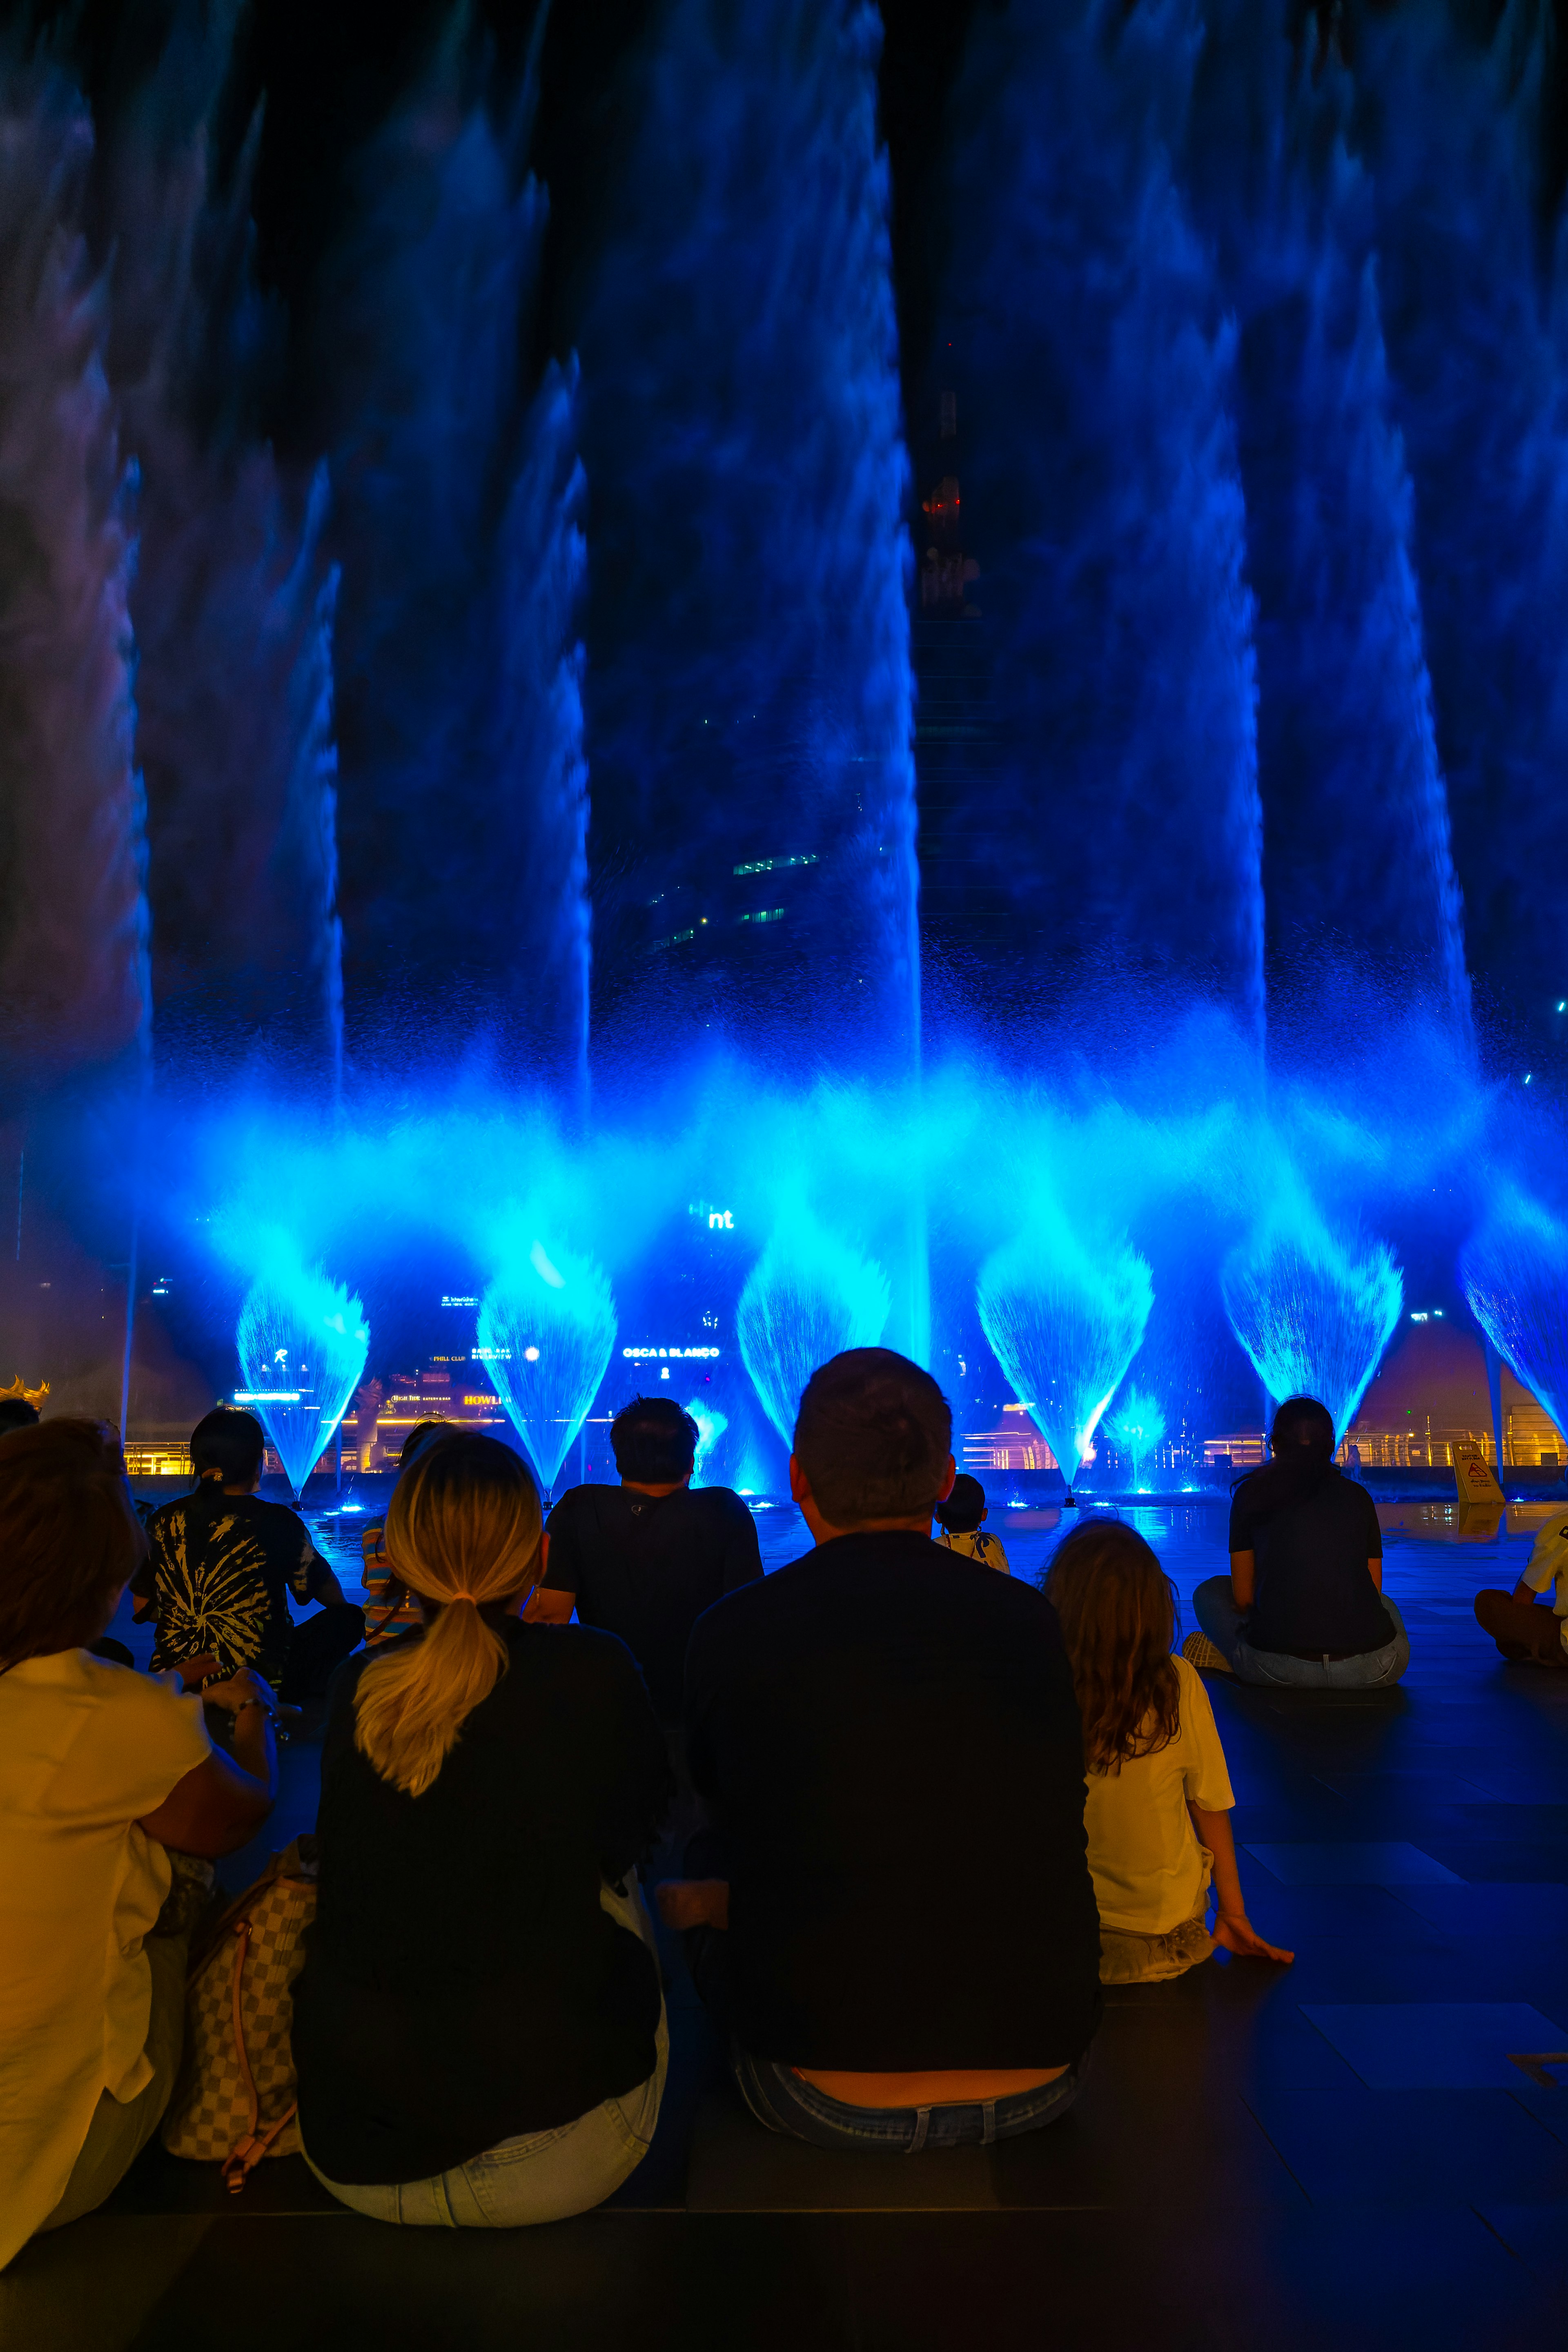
479	2027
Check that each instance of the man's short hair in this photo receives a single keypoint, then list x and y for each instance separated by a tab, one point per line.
654	1442
231	1441
873	1436
15	1413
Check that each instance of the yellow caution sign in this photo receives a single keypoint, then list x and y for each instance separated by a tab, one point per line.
1474	1477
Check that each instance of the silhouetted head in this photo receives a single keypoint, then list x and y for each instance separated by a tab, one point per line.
1301	1421
654	1442
70	1535
15	1413
874	1439
964	1507
228	1446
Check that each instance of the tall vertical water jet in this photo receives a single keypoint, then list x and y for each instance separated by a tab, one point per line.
1514	1269
809	1297
1313	1313
546	1328
462	810
1357	859
301	1340
1084	333
1064	1318
73	916
232	600
1452	112
749	688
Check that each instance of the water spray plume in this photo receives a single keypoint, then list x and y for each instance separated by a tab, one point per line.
710	1426
809	1297
1313	1316
1138	1427
546	1330
1515	1273
1063	1324
301	1340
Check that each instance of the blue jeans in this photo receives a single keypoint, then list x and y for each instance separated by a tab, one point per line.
778	2097
1215	1611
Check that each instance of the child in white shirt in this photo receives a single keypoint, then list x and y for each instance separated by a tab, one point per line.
1158	1797
960	1516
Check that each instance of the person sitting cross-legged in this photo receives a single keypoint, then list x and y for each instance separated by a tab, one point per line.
1303	1605
478	2026
895	1918
1530	1624
221	1565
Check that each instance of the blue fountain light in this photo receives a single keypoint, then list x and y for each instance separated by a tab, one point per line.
710	1426
1515	1273
302	1340
546	1328
1138	1427
1064	1322
1312	1312
809	1297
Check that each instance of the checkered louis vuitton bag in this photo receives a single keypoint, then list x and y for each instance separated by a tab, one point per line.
234	2102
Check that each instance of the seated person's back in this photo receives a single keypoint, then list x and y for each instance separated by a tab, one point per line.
222	1562
476	1972
891	1747
1312	1532
645	1559
961	1516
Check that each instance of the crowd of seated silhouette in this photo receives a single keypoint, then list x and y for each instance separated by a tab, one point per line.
909	1818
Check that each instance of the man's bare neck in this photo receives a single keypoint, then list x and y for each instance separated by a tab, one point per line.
640	1487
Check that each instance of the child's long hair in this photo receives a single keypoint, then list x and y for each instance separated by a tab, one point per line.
463	1531
1118	1616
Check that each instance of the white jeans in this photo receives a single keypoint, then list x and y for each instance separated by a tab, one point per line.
542	2176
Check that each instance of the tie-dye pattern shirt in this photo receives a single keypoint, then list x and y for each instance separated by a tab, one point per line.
217	1574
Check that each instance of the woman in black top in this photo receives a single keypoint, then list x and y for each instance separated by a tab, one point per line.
1304	1603
478	2026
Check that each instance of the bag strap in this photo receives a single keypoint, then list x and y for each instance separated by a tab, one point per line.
248	2152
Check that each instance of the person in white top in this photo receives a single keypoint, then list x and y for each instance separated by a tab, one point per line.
1522	1629
961	1516
102	1771
1157	1812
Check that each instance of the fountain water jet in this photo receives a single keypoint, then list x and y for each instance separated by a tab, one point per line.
1313	1314
546	1330
1138	1427
302	1341
1514	1269
809	1297
1063	1324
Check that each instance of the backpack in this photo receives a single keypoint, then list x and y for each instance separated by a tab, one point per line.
234	2102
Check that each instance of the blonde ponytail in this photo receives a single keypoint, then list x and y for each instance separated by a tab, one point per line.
463	1531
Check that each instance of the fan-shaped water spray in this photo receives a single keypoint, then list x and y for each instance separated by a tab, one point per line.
809	1297
1312	1312
710	1426
1064	1322
546	1330
301	1340
1515	1273
1138	1427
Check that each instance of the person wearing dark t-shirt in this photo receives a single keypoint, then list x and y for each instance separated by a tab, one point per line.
478	2026
221	1565
1303	1604
645	1559
898	1923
